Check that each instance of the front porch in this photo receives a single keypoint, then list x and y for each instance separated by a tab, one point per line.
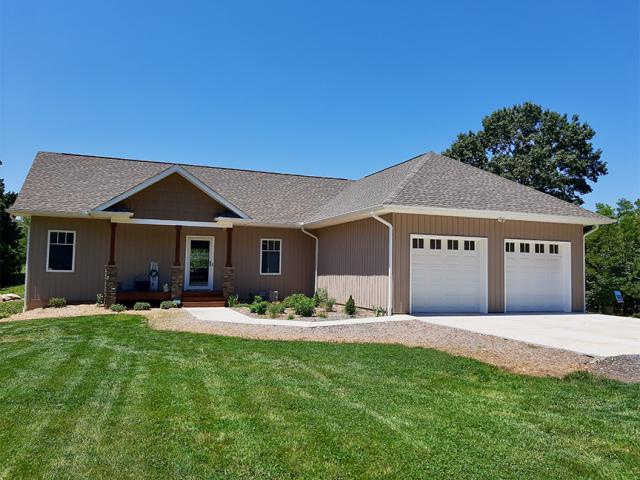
180	261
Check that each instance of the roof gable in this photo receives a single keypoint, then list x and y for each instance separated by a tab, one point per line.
177	170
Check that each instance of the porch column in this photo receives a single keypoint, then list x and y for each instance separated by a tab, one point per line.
111	271
177	272
229	282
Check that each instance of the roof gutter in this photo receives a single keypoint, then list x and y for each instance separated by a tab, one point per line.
315	278
390	263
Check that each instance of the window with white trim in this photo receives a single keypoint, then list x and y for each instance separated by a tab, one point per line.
270	256
469	245
539	247
435	244
553	248
524	248
510	247
452	244
418	243
61	250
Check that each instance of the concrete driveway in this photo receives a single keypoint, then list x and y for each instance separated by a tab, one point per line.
592	334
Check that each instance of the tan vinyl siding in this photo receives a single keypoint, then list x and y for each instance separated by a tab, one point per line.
352	260
172	198
91	254
496	232
298	252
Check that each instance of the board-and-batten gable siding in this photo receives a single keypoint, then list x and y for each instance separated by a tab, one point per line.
352	260
91	254
298	258
496	232
172	198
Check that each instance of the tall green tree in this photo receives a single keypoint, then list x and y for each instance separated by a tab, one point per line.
613	258
11	252
535	147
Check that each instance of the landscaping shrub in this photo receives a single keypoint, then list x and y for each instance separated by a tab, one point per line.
350	306
167	304
141	306
305	307
257	299
232	300
322	296
259	307
99	299
316	299
291	316
329	303
57	302
322	314
276	308
379	311
118	307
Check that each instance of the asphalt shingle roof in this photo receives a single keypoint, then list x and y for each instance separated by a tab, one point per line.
70	183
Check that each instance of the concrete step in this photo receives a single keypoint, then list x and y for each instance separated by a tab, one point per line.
208	303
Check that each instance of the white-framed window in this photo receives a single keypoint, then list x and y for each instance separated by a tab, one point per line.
452	244
539	247
554	249
510	247
524	248
61	251
469	245
435	244
270	256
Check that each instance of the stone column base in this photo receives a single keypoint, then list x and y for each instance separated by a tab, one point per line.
229	282
110	284
177	281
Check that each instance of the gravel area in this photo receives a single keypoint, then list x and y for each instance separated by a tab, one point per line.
625	368
511	355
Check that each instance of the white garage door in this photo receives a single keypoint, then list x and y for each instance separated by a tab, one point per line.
448	274
537	276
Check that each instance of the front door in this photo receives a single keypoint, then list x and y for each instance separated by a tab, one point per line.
198	270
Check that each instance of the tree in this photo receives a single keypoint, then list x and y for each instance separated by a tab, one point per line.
613	258
11	252
535	147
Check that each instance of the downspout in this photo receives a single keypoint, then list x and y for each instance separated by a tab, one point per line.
584	265
390	273
315	278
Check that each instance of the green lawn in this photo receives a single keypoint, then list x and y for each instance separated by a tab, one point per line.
17	286
108	397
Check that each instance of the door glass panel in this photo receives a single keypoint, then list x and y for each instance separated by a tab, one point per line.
199	263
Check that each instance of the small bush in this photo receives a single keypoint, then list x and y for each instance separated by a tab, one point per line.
141	306
379	311
118	307
291	316
257	299
167	304
57	302
316	299
305	307
329	303
99	299
275	309
232	300
322	296
350	306
322	314
259	308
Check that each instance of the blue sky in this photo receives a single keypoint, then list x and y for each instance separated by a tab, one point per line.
322	88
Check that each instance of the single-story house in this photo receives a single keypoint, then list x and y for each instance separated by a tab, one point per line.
430	234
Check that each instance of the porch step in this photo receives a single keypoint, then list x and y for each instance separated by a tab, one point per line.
204	303
201	293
